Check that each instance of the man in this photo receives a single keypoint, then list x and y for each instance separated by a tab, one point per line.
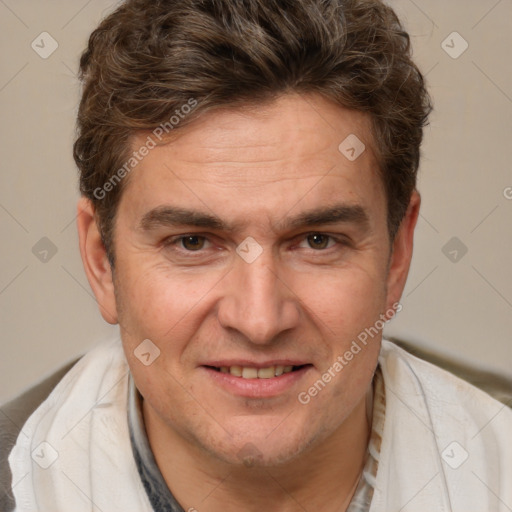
248	179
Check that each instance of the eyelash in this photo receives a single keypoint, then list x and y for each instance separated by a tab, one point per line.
174	241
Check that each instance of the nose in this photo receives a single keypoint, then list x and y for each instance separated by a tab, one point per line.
258	302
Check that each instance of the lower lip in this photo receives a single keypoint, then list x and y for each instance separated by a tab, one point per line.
257	388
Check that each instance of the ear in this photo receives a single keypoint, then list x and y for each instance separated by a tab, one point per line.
95	260
401	254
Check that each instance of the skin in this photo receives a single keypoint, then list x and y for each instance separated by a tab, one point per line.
302	298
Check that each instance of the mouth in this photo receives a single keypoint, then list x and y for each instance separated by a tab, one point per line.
263	381
251	372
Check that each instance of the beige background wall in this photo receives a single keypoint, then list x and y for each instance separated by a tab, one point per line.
47	312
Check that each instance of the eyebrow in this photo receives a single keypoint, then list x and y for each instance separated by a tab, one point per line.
170	216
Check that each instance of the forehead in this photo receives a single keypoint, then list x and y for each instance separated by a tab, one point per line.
277	126
297	149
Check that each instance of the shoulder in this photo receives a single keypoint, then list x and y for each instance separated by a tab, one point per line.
453	407
13	415
438	372
441	434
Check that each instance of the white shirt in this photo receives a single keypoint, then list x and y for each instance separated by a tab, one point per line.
446	446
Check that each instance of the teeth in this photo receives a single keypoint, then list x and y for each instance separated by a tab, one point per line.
266	373
247	372
250	373
236	371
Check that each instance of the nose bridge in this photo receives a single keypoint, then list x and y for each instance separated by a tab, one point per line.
257	304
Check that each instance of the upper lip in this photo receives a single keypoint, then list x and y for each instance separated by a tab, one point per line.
255	364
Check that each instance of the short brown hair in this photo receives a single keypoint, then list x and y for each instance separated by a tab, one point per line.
150	57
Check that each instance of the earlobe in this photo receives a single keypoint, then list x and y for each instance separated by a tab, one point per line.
402	251
95	260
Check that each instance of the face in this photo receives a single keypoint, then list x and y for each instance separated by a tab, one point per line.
251	242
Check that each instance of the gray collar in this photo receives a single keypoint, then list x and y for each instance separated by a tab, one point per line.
159	495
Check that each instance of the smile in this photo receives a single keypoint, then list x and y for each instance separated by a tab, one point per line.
249	372
257	382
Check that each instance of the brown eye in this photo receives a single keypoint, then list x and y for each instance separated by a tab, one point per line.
193	242
318	241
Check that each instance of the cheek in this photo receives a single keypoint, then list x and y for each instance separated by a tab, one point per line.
346	308
345	300
158	302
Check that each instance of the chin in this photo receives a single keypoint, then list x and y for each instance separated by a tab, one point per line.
263	450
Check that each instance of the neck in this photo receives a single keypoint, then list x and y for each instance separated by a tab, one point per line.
324	477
